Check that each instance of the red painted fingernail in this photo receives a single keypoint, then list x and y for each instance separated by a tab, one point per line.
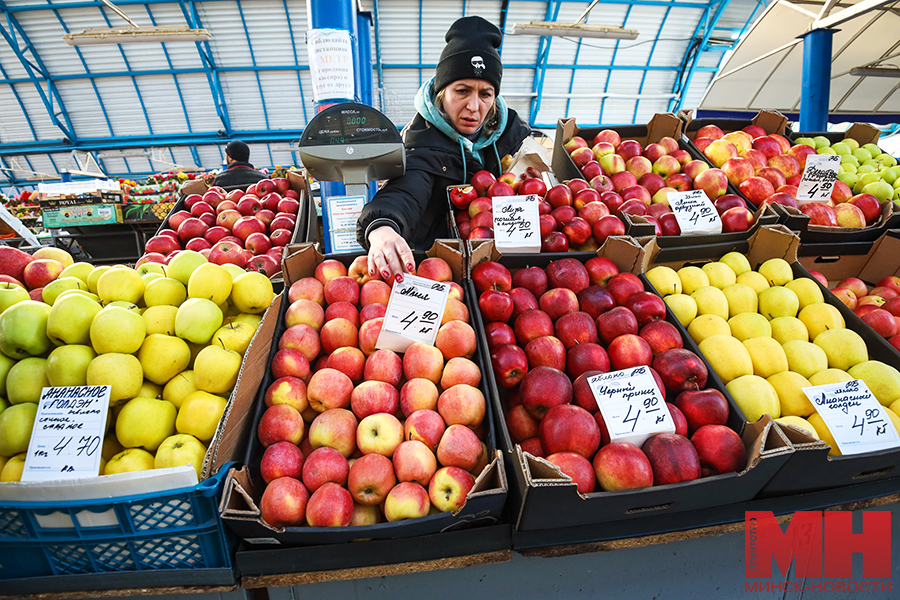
372	272
399	278
410	266
385	274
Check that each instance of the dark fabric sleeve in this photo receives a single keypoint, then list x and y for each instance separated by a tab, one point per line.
402	200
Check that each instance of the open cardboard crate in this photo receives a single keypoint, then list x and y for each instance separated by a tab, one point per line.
543	498
243	488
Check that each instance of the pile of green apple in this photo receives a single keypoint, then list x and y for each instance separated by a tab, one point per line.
768	335
168	339
866	168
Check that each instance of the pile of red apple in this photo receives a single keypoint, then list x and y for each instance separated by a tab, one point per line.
551	329
246	228
354	435
878	307
767	169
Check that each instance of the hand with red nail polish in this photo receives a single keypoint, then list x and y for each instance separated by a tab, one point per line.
389	254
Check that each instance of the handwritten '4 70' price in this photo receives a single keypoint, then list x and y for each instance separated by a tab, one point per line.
427	319
86	446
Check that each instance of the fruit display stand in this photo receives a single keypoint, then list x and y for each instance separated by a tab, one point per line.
147	530
438	536
544	500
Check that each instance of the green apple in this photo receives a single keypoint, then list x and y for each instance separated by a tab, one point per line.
806	141
233	270
26	379
862	154
216	369
151	267
165	290
120	284
849	178
849	158
122	372
94	276
67	365
872	149
821	141
160	319
163	357
6	364
70	319
81	270
210	281
197	320
842	148
23	329
851	143
115	329
124	304
880	189
3	405
890	174
183	264
84	293
847	168
825	150
252	293
148	277
10	294
887	160
16	423
145	423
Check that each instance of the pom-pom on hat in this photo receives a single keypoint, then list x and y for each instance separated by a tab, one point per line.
470	53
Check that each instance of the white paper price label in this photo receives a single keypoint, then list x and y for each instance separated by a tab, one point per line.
632	407
67	437
818	178
854	417
413	314
343	213
517	223
695	213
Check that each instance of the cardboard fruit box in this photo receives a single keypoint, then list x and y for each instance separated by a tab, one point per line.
243	488
541	497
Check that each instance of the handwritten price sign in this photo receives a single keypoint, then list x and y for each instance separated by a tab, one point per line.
818	179
413	314
631	404
695	213
854	417
517	223
68	433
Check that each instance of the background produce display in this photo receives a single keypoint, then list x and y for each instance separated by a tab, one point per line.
865	168
550	329
768	334
248	229
356	436
169	339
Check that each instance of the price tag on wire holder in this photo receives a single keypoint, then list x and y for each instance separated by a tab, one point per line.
413	313
818	179
854	417
517	223
695	213
67	438
631	404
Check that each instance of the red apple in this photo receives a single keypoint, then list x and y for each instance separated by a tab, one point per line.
736	219
584	358
542	388
534	279
661	336
672	457
623	285
569	428
490	275
719	449
595	300
622	466
616	322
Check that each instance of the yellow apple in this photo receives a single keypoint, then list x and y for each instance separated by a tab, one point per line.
777	271
163	357
807	290
67	365
737	261
705	326
26	379
727	356
778	301
830	376
767	356
199	415
94	276
254	320
233	270
720	275
69	321
692	279
843	347
179	450
150	390
210	281
711	301
165	291
882	379
741	299
148	277
785	329
16	423
749	325
6	364
160	319
145	423
84	293
682	306
59	285
819	318
789	387
234	336
111	445
179	388
12	470
197	320
183	264
120	284
81	270
126	305
755	397
216	369
799	422
252	293
10	294
129	461
121	371
824	433
115	329
665	280
754	280
151	267
805	358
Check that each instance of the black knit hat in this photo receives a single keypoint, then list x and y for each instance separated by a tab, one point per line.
238	150
470	53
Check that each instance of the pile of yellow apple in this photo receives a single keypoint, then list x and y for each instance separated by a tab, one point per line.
767	335
168	339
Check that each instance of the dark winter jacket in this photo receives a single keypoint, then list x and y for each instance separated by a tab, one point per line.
238	174
415	205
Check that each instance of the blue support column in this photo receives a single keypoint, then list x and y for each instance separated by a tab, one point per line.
364	65
816	83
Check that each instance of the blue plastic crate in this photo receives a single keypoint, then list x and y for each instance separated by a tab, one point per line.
175	529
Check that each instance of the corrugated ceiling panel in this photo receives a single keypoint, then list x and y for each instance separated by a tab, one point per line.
122	105
519	49
436	20
244	101
282	93
163	105
14	124
400	87
647	20
230	47
201	109
45	32
399	32
81	104
270	32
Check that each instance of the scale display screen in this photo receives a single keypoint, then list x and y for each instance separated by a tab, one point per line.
350	123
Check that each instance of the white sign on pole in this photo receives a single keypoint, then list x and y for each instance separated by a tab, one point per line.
330	64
